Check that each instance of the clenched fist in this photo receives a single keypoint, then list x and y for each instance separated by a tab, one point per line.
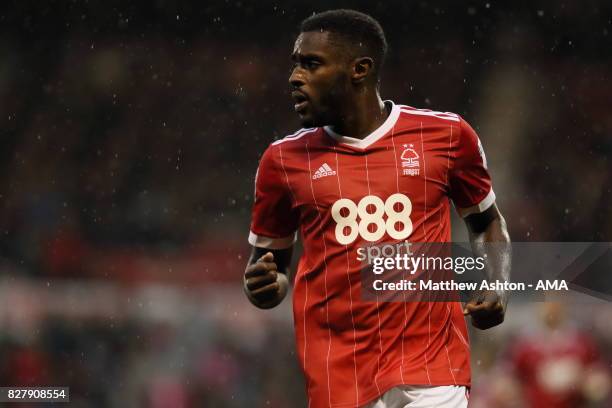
263	284
487	309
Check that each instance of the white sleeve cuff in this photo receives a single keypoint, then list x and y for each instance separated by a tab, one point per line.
272	243
480	207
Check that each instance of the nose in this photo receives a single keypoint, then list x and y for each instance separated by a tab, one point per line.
296	79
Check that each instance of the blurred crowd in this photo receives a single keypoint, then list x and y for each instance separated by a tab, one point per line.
130	136
161	347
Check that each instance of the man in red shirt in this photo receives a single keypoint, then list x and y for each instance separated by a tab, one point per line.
364	171
558	365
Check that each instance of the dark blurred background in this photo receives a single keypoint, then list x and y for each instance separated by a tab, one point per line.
130	134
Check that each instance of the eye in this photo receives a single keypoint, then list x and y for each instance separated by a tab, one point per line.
311	64
307	64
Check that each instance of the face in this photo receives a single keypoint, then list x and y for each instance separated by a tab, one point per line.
320	79
553	314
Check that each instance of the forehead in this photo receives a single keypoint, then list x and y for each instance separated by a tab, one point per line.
314	42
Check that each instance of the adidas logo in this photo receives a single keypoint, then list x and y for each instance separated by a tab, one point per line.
323	171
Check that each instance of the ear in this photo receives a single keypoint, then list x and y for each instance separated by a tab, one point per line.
362	69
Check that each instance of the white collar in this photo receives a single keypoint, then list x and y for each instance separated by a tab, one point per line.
372	137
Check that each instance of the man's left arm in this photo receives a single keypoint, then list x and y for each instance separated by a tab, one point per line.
489	239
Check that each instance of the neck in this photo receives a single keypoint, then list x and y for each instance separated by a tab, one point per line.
361	115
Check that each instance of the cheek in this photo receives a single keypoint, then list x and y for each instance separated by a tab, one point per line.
330	87
337	92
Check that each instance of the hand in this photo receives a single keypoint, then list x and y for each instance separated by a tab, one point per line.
487	309
263	284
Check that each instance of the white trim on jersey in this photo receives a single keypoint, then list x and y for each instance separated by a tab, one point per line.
480	207
272	243
294	136
372	137
427	112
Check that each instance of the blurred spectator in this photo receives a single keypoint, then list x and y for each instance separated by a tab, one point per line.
559	366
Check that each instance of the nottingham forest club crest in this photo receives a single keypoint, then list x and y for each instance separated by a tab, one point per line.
410	161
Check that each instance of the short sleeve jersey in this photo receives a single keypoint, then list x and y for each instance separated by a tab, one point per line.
340	193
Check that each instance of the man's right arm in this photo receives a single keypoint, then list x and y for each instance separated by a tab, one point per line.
265	279
272	234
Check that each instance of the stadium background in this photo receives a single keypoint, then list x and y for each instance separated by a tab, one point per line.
130	135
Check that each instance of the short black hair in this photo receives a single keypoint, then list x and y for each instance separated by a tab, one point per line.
356	28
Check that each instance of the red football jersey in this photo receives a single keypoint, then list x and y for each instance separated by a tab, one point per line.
342	193
551	366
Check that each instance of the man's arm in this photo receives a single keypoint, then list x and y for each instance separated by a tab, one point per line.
265	279
489	307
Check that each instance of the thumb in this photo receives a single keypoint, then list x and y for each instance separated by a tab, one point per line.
469	308
267	257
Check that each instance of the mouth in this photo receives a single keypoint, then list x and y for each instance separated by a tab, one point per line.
301	101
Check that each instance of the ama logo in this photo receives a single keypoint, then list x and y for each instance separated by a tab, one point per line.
410	161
